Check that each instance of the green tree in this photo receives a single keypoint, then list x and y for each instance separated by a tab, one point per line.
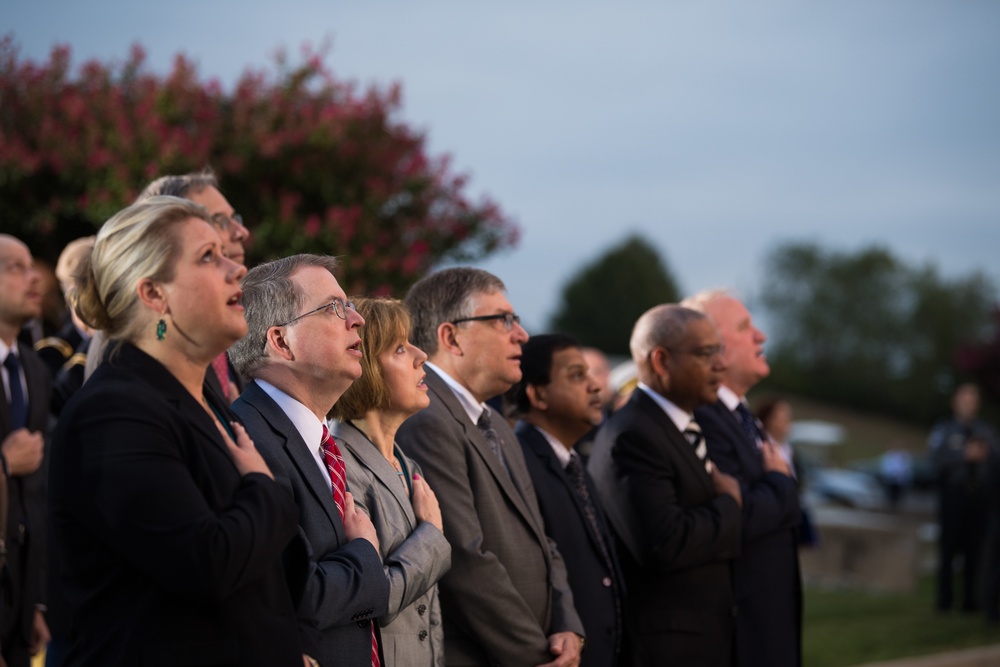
868	330
602	301
311	163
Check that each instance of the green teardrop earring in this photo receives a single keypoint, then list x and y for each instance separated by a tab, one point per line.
161	330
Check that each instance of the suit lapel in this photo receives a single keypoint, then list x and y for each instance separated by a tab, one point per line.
673	438
747	451
517	496
371	458
540	447
295	449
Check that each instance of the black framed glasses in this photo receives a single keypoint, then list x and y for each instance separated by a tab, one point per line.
509	319
708	353
338	307
223	221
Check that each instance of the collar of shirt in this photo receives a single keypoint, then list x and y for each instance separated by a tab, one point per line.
472	407
680	418
562	454
4	373
310	428
729	397
6	349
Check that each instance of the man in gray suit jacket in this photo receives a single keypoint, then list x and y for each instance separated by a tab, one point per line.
506	600
302	351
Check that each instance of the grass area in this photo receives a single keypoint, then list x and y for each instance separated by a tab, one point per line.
849	627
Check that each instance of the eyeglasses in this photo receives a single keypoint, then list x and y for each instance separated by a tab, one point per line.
509	319
338	307
223	221
707	353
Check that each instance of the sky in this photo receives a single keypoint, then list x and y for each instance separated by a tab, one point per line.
717	130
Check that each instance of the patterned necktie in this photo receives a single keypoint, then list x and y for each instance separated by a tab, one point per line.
749	424
697	439
221	367
18	406
574	470
334	461
485	424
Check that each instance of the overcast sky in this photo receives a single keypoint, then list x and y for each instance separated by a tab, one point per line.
717	130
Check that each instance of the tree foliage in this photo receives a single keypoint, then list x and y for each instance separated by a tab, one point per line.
311	163
868	330
602	301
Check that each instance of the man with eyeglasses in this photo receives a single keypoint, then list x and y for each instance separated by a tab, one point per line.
203	188
302	351
24	409
766	575
676	516
506	599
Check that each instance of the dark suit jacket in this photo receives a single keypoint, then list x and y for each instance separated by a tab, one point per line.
766	575
507	590
26	534
598	586
678	537
172	557
347	586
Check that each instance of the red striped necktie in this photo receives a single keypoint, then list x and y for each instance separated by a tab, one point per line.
334	461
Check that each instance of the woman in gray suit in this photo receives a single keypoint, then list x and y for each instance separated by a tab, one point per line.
388	485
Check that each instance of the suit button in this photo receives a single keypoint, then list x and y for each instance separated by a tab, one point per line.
422	609
606	581
422	635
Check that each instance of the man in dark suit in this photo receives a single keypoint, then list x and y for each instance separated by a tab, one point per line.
23	414
676	515
506	599
558	402
302	350
768	585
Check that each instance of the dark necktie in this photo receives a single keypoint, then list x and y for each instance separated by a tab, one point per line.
749	423
697	439
485	424
18	404
334	461
574	470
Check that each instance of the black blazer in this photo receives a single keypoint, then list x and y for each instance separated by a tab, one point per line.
766	575
678	537
597	585
172	557
26	536
347	584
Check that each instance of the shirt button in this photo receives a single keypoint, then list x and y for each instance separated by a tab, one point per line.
606	581
422	635
422	609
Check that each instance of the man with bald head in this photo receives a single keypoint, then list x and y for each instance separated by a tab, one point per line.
676	516
766	575
23	413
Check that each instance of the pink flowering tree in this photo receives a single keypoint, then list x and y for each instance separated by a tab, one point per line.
311	163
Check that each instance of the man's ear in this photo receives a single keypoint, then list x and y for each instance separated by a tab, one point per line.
278	344
536	397
659	360
447	335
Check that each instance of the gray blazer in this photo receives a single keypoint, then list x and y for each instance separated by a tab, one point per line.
347	585
416	555
507	589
